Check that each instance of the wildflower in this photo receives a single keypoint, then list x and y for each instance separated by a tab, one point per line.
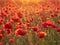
57	9
53	15
11	40
45	25
8	26
3	15
41	34
1	37
15	19
49	24
20	25
28	25
8	32
1	21
19	15
1	43
34	28
53	26
58	30
2	31
39	31
20	32
58	21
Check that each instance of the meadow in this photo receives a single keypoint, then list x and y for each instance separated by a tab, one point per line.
29	22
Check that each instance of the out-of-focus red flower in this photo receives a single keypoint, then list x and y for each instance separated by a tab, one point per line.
15	19
20	25
58	30
20	15
45	25
8	26
28	25
11	40
0	11
39	31
5	12
8	32
58	21
34	28
57	9
1	43
49	23
20	32
53	26
3	15
1	21
41	34
2	31
11	5
1	37
53	15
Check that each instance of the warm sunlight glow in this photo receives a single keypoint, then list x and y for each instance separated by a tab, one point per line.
30	0
27	1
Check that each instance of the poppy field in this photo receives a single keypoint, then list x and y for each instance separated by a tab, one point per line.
29	22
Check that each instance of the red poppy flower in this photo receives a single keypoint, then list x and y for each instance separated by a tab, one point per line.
1	22
1	37
20	25
20	32
20	15
28	25
11	40
58	30
8	26
8	32
1	43
39	31
45	25
2	31
3	15
53	15
58	21
34	28
15	19
41	34
49	24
